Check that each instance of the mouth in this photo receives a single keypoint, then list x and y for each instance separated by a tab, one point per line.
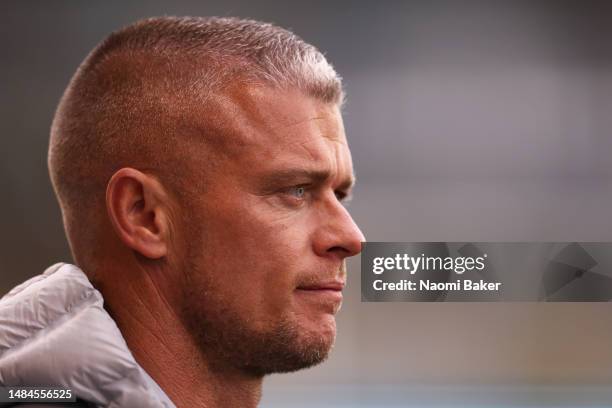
334	286
323	293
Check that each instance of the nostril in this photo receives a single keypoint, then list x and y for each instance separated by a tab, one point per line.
340	252
344	251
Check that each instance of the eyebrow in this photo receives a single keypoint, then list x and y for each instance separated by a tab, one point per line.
288	176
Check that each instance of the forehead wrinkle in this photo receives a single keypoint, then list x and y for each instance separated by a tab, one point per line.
260	107
296	123
246	120
320	132
327	161
224	124
248	117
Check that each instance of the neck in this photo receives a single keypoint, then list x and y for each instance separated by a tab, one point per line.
166	351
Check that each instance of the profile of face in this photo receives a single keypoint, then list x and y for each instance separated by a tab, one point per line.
266	241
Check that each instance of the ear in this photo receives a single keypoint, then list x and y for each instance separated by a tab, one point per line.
138	209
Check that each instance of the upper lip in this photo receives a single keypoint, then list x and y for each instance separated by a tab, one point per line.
327	285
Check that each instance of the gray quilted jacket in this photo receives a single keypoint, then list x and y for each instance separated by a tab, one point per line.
55	331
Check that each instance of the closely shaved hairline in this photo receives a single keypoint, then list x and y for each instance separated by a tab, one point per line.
129	103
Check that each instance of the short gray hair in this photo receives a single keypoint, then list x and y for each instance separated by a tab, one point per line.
252	49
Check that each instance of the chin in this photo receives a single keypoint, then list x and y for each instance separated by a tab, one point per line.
298	346
324	327
319	334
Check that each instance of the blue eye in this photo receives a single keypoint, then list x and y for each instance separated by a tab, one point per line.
298	191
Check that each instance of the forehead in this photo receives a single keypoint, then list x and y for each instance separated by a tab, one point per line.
267	126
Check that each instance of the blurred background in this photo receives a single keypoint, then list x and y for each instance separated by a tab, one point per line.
468	121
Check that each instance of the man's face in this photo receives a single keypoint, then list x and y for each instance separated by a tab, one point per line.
269	235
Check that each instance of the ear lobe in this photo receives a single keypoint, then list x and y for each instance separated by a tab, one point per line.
137	211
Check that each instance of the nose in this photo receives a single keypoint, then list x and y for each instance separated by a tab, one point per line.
338	235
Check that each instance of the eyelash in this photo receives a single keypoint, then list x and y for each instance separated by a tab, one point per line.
341	196
294	198
304	188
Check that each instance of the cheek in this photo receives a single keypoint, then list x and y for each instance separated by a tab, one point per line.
254	260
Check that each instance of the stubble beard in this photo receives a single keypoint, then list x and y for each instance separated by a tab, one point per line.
228	339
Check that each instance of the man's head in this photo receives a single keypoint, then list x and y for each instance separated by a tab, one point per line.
210	156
